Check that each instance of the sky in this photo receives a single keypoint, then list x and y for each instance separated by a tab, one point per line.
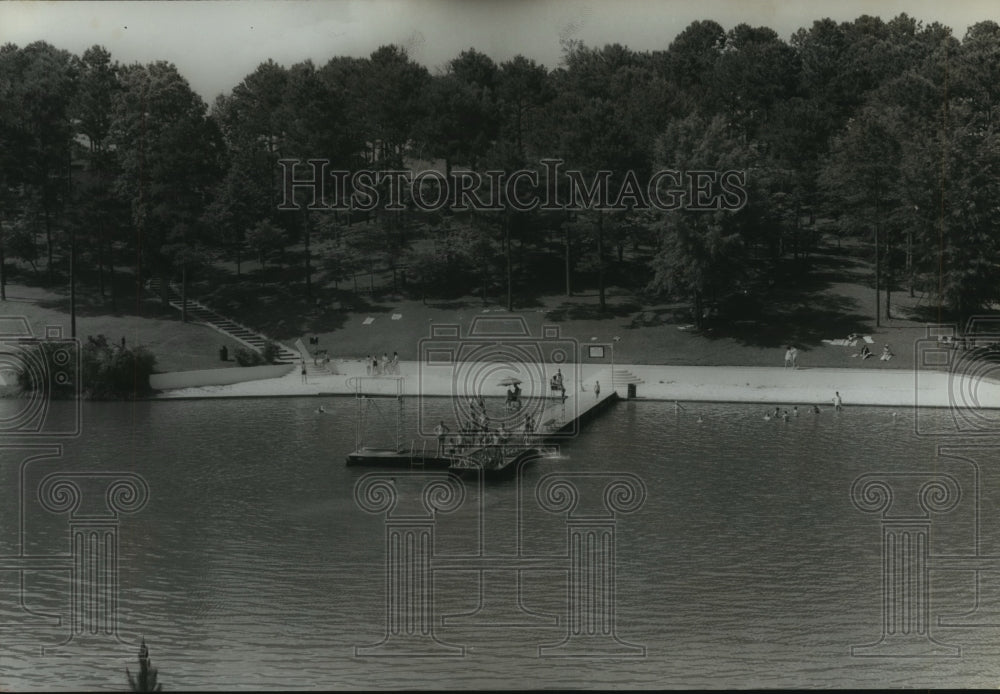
216	43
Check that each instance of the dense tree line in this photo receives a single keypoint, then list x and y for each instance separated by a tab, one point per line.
889	129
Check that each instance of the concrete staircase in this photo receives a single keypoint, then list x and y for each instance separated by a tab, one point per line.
314	363
622	377
199	313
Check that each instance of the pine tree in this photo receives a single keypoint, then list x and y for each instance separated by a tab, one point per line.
146	681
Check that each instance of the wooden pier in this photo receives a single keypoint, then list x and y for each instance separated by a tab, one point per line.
565	417
561	418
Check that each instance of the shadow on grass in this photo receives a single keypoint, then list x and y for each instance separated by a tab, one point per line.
91	306
283	313
455	305
805	325
929	313
592	311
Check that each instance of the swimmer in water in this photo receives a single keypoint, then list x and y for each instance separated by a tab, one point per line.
784	415
795	411
700	420
815	409
320	410
767	416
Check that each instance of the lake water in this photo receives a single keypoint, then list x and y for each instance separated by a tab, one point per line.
747	564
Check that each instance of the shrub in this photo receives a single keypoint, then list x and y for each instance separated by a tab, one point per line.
247	357
111	371
39	366
106	371
251	357
271	352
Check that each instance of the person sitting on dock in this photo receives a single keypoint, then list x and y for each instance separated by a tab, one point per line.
442	432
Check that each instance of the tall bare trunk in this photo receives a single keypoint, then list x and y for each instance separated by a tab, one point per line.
506	243
600	260
566	247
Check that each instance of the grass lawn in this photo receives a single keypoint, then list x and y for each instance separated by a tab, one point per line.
830	297
178	346
831	300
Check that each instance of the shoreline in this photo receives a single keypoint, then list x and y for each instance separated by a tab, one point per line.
761	385
895	387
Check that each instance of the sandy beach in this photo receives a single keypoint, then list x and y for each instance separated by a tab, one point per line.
886	387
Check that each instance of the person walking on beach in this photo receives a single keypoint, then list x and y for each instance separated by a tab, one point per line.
795	357
304	377
837	402
788	356
368	365
597	390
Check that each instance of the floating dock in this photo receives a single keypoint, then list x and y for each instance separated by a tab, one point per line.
562	417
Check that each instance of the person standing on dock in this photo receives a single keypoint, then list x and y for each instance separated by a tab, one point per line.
597	390
442	433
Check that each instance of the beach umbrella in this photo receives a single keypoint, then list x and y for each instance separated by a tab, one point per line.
510	381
